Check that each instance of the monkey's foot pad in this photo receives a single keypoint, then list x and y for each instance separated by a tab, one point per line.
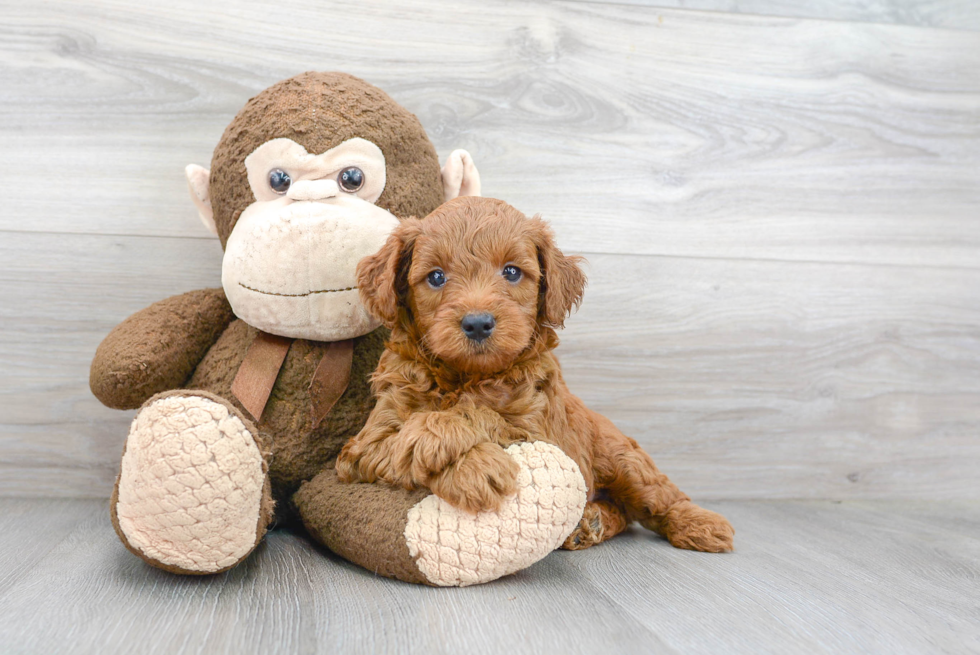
190	489
456	548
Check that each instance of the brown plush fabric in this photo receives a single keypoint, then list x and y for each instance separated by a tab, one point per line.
298	452
157	348
266	508
364	523
319	111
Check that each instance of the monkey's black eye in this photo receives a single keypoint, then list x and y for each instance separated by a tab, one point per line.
279	180
351	179
436	279
511	273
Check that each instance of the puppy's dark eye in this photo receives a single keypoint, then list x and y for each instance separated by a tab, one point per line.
511	273
351	179
436	279
279	180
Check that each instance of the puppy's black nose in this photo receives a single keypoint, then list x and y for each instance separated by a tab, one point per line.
478	326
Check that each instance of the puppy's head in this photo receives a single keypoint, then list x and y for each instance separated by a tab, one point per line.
474	281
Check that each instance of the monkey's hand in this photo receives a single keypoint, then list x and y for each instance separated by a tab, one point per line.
157	348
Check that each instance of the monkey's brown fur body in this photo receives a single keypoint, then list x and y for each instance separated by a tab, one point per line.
448	404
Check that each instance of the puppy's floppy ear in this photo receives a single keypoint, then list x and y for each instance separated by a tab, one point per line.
382	278
562	281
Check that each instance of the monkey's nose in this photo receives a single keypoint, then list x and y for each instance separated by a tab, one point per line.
478	326
313	190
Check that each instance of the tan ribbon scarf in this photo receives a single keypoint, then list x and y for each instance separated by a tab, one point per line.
257	375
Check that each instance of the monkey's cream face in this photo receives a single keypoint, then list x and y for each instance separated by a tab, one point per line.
290	263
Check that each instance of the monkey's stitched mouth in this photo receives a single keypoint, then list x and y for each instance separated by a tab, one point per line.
295	295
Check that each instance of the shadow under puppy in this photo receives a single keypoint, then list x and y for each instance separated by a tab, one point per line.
473	294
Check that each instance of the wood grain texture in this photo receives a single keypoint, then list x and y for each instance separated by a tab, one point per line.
31	529
763	379
810	578
948	14
744	379
62	295
806	578
824	141
781	213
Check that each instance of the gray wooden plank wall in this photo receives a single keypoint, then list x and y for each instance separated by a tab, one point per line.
949	14
781	212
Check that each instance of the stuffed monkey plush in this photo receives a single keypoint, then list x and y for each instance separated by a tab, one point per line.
247	393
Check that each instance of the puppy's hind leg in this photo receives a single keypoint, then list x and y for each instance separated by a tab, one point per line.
634	482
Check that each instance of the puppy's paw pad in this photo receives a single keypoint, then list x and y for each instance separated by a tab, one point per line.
453	547
588	532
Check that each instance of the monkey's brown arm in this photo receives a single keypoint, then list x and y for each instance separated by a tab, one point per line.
157	348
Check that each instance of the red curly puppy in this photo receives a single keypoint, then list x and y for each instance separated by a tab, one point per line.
472	294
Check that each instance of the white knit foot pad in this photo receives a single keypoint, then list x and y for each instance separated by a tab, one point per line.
190	488
456	548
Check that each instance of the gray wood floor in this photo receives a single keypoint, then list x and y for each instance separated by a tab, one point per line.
808	577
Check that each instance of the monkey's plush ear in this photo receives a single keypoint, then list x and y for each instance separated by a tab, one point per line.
459	175
562	281
199	183
382	278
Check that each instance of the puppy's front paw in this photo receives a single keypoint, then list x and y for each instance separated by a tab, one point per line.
694	528
480	480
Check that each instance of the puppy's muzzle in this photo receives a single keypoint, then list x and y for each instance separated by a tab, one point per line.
477	327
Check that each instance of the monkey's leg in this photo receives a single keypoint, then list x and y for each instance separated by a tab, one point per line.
418	537
193	493
633	481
